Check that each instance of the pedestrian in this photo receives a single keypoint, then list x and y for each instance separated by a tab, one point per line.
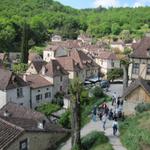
104	120
115	126
115	97
118	102
113	100
110	114
121	102
94	113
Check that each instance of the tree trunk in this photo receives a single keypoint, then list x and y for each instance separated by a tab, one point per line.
125	77
76	123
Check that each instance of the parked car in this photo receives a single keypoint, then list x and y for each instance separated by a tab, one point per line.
104	84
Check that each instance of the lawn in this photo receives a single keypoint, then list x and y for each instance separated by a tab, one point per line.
135	132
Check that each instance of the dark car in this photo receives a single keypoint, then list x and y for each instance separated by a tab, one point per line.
104	84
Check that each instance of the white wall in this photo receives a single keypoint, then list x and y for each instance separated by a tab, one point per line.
46	57
2	98
43	90
31	70
25	100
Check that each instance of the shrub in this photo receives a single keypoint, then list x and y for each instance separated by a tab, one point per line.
98	92
48	108
65	120
142	107
94	137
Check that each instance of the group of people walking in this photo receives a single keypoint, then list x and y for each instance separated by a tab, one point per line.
114	113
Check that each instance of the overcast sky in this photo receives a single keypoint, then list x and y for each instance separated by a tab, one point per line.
105	3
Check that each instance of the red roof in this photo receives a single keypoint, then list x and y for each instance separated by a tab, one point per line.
106	55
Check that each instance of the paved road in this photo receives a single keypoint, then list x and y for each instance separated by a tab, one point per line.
97	126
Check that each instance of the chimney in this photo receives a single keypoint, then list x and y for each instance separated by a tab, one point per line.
40	125
25	77
6	113
43	70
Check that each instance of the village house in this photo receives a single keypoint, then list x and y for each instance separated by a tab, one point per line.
107	61
56	38
13	89
119	45
57	75
24	129
139	72
40	90
85	38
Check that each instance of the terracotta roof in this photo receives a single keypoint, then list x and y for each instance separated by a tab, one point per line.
83	59
8	133
69	64
34	57
37	81
9	80
145	84
141	48
38	65
106	55
53	68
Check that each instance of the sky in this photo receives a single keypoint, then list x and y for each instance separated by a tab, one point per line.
105	3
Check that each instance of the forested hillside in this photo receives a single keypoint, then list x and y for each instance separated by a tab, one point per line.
42	18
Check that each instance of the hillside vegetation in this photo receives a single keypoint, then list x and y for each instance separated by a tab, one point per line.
46	17
135	132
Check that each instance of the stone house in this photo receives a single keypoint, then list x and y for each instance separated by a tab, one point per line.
24	129
13	88
56	38
120	45
57	75
40	90
107	61
139	72
85	38
140	58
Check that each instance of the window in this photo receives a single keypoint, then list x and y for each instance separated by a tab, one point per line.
60	88
38	90
47	89
61	78
48	95
135	69
148	69
112	63
24	145
38	97
19	92
48	55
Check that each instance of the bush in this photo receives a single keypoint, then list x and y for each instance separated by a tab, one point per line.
48	108
94	137
98	92
142	107
65	120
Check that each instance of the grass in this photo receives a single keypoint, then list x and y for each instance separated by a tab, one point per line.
135	132
105	146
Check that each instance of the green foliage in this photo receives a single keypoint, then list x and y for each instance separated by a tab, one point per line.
93	139
20	68
84	97
98	92
142	107
135	132
48	108
38	50
65	120
115	73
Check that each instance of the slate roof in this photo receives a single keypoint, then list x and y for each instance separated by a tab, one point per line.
9	80
145	84
8	133
37	81
34	57
140	48
38	65
54	68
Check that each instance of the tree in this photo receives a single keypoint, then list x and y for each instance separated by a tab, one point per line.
75	89
115	29
126	36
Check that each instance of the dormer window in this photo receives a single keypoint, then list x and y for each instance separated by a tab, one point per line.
148	52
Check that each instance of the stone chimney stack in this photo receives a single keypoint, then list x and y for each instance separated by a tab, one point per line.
43	70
